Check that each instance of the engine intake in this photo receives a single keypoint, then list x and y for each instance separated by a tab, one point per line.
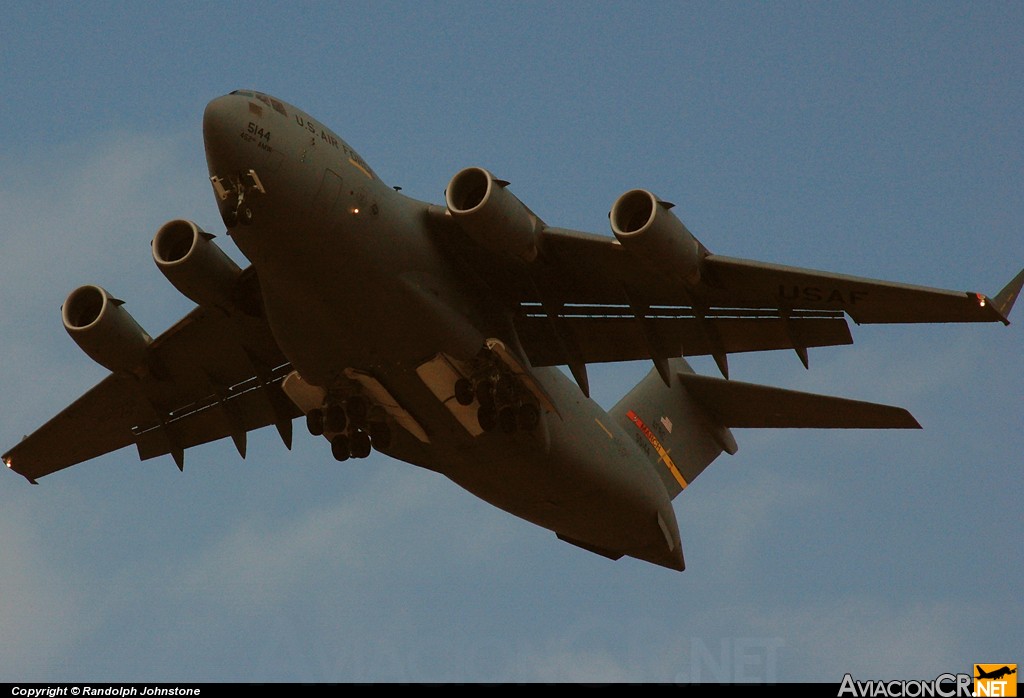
194	264
643	224
104	330
490	214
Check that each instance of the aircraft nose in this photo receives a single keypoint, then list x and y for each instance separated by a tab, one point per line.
222	125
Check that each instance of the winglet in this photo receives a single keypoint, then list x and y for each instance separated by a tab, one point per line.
1004	300
9	462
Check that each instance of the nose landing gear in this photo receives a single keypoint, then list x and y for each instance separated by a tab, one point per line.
237	187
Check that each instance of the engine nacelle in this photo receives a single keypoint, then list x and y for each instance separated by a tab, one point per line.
104	330
490	214
643	224
192	262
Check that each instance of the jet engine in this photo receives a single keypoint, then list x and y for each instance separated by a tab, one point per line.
192	262
643	224
104	330
490	214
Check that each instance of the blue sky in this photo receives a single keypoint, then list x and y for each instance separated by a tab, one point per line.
865	138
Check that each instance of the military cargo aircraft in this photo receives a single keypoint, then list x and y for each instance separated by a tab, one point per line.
434	334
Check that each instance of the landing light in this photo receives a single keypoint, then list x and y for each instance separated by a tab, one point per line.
8	462
981	299
355	210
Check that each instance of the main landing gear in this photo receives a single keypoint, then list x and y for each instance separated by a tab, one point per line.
504	403
356	428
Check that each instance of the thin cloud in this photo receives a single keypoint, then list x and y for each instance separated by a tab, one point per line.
41	604
875	637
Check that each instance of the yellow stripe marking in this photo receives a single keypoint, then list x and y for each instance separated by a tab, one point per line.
604	427
662	453
360	168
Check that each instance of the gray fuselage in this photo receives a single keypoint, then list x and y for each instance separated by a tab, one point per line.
354	277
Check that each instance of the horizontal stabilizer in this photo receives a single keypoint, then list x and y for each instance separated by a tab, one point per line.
735	404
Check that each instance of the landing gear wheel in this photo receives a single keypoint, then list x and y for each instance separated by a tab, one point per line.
360	444
380	435
464	392
507	419
340	447
529	416
357	408
315	421
335	419
487	417
504	390
484	394
245	216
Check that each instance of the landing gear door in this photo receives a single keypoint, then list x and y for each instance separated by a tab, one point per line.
311	397
380	395
506	357
440	374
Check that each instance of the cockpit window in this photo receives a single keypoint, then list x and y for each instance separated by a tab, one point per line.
269	101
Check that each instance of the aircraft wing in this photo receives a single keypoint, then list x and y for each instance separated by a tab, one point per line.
212	375
586	298
593	300
600	270
590	299
745	282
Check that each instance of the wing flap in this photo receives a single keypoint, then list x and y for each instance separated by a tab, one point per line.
246	407
748	405
610	338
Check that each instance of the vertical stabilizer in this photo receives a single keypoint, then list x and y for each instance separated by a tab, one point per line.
677	434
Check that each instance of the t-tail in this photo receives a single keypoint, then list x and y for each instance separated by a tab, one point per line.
685	426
